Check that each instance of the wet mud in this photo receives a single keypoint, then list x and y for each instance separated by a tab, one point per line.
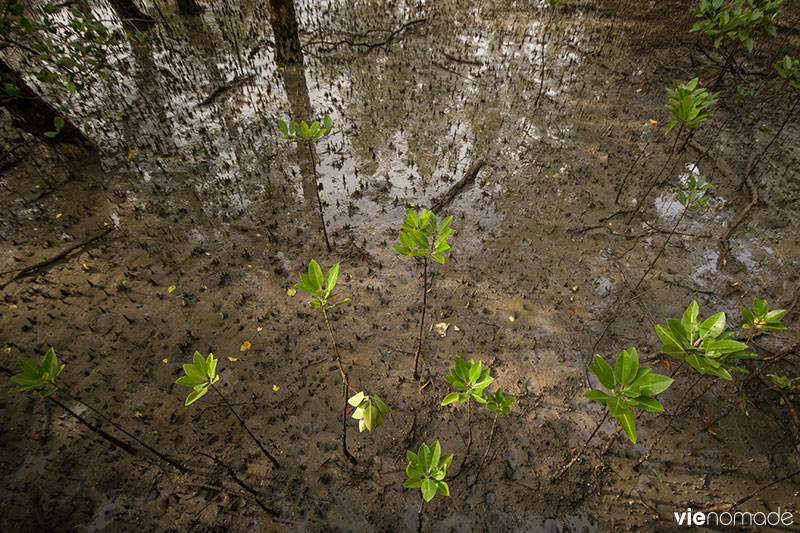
214	217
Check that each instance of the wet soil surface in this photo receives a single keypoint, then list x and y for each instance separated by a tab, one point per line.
213	218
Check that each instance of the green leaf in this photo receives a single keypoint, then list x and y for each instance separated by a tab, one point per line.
190	381
331	277
50	363
627	366
603	371
442	488
597	396
646	403
429	488
200	364
451	398
436	454
445	461
195	395
714	325
414	483
461	369
474	371
627	420
30	367
655	384
315	274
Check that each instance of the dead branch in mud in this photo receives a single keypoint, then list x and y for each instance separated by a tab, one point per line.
369	46
449	195
728	507
32	269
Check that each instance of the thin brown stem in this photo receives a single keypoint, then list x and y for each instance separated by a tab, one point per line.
419	515
241	422
583	449
319	200
345	382
661	251
422	315
489	445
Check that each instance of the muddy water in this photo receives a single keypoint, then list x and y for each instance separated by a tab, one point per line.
210	201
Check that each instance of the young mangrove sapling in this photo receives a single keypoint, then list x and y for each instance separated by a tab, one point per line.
201	375
321	289
423	238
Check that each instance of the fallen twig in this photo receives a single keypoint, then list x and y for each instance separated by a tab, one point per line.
449	195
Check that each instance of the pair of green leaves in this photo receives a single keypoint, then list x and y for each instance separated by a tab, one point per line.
292	131
422	236
629	385
760	317
200	375
427	469
499	402
738	20
704	344
319	286
687	104
471	378
37	376
369	411
690	194
789	70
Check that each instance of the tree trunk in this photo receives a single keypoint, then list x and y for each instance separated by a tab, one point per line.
35	116
287	40
130	15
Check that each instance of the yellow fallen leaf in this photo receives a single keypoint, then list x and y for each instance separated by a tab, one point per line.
556	175
653	121
85	266
208	253
233	359
511	318
165	361
138	414
245	346
745	326
7	349
291	292
711	431
781	401
638	90
249	266
259	328
276	388
59	215
13	306
171	289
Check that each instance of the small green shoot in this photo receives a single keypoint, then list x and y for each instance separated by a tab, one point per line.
37	376
687	104
200	375
369	411
704	344
630	386
427	469
471	378
500	404
319	286
738	20
691	194
761	318
789	70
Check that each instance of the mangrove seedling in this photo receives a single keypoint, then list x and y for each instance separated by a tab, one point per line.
369	411
310	135
704	344
41	377
321	289
471	378
501	405
423	238
627	386
761	318
426	471
688	106
737	20
201	375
